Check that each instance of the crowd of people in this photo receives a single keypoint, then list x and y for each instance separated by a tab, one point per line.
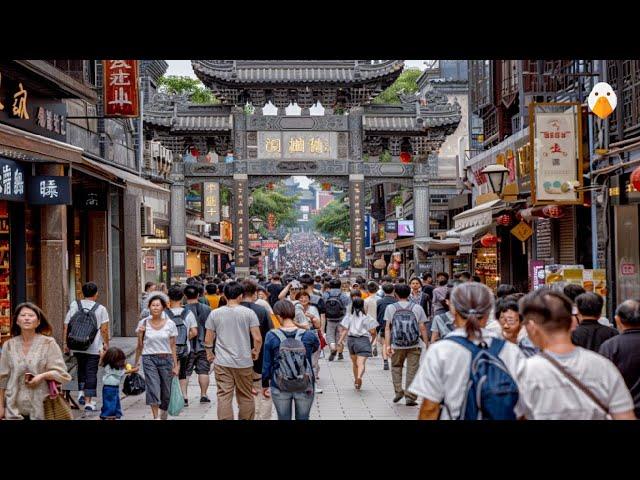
454	348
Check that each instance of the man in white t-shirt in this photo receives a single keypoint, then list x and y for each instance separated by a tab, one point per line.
564	381
175	313
89	359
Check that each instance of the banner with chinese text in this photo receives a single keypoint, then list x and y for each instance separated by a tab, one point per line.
557	153
120	88
211	202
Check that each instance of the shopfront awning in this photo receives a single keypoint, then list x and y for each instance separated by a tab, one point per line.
478	216
384	246
209	245
405	243
134	183
427	243
470	232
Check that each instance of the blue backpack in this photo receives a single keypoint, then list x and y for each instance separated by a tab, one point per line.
491	392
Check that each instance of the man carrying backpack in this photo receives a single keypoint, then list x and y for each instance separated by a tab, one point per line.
405	323
86	332
187	326
198	355
335	308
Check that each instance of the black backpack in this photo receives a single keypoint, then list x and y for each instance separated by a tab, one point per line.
334	308
294	374
404	327
83	328
183	333
199	309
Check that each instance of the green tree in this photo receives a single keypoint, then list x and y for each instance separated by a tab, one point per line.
197	92
405	83
273	201
334	220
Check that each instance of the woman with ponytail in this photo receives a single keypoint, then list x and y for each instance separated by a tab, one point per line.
443	374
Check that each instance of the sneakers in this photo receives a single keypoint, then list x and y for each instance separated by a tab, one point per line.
411	403
205	399
90	407
318	390
386	365
398	397
340	356
332	356
186	402
81	397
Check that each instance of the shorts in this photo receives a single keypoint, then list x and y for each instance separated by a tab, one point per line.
360	346
183	361
199	362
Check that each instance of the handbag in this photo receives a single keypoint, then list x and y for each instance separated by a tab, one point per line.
55	406
581	386
176	401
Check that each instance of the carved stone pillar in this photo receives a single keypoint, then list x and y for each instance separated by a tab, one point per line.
178	217
421	208
239	133
241	232
356	201
355	133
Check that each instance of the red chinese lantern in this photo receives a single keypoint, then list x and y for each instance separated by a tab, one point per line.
635	179
489	240
405	157
326	187
553	211
504	220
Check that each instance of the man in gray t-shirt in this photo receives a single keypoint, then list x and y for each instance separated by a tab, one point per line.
232	327
399	354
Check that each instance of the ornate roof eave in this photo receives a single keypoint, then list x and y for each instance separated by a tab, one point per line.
411	125
176	114
154	68
264	73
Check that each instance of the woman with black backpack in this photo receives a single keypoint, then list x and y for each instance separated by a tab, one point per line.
287	373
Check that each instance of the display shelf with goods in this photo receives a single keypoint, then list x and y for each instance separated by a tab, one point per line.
486	267
5	272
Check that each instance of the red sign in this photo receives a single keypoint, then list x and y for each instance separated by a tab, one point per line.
627	269
149	263
120	88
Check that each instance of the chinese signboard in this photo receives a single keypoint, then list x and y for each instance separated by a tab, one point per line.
93	200
390	226
356	189
296	145
49	190
150	263
211	202
522	231
120	88
536	273
24	109
241	194
557	153
367	231
12	180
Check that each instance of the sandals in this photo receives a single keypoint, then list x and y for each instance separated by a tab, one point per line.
358	383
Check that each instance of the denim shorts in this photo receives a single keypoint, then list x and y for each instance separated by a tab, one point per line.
360	346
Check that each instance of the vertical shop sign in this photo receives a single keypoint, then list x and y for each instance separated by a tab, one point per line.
241	196
357	220
120	88
211	202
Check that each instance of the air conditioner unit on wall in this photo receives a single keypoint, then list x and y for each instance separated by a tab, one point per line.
146	221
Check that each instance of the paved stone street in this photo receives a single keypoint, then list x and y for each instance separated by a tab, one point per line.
339	400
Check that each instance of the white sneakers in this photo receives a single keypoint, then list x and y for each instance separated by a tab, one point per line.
81	397
91	407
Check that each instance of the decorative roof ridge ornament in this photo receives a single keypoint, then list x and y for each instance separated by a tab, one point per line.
166	102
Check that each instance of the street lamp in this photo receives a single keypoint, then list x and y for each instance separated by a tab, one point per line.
496	175
257	222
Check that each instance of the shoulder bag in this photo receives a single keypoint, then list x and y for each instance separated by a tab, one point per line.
581	386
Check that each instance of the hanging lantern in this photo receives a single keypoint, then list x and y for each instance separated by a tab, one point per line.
405	157
489	240
326	187
553	211
504	220
635	179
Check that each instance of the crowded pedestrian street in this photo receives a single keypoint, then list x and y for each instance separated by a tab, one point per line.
277	240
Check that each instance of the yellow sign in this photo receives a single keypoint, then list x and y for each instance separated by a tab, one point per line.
522	231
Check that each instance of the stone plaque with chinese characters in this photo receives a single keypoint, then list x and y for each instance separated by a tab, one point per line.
49	190
297	145
211	202
241	233
356	199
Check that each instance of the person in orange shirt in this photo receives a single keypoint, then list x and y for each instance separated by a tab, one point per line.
212	295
